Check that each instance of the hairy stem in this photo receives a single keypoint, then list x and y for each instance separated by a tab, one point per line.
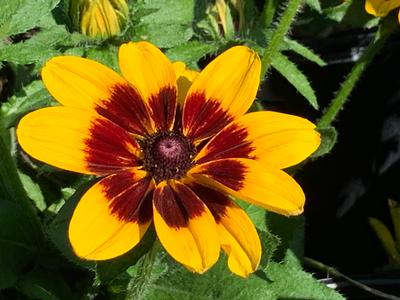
279	34
353	77
335	273
138	283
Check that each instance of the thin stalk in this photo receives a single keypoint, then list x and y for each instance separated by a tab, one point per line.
384	31
279	34
13	185
335	273
138	283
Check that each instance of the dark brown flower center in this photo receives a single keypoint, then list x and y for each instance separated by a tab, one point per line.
167	155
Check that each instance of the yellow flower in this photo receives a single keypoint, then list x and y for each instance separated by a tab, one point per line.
99	18
380	8
170	145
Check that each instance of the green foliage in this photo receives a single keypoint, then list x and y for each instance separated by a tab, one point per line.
191	52
290	71
38	49
169	280
167	23
18	16
328	140
29	98
314	4
44	284
302	50
17	243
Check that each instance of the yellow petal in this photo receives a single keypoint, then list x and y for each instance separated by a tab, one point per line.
380	8
239	238
240	241
185	227
184	82
150	71
249	180
83	83
76	140
112	216
272	138
179	68
224	90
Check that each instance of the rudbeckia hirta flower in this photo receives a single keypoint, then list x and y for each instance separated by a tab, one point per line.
99	18
381	8
169	146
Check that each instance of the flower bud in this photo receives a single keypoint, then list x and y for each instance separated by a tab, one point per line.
99	18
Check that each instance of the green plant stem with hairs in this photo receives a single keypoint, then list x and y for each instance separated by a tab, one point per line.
138	283
336	274
281	30
385	29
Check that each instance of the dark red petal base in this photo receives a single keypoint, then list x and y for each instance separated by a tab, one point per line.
177	206
107	148
163	108
228	143
127	109
228	172
128	197
202	118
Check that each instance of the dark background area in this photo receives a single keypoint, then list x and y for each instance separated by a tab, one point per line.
355	180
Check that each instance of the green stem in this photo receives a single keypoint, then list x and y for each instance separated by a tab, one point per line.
279	34
13	186
335	273
138	283
352	78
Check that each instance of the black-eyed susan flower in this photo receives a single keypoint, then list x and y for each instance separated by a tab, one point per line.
169	145
381	8
99	18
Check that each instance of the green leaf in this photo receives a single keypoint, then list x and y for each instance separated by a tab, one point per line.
168	24
38	49
191	52
386	239
44	284
33	191
31	97
303	51
18	16
230	27
164	35
107	55
291	234
292	74
269	12
328	141
288	282
169	11
17	243
351	13
314	4
170	281
338	12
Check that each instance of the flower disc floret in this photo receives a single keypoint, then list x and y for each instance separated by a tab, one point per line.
167	155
